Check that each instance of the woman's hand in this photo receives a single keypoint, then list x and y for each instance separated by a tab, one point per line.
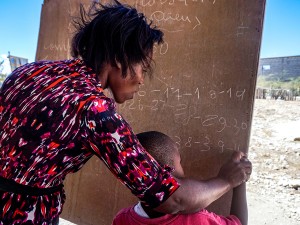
237	170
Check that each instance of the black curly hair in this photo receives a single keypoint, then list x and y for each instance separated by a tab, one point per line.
114	33
160	146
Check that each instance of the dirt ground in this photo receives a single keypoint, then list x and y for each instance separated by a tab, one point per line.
274	187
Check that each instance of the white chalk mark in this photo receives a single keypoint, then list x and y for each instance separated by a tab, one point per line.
199	23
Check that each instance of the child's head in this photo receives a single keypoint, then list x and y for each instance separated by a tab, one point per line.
163	149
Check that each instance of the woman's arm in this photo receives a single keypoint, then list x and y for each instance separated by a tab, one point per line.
194	195
107	135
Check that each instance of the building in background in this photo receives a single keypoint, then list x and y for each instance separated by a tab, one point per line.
279	78
16	61
2	75
279	68
8	64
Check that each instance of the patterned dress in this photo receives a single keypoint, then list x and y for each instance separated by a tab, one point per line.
54	117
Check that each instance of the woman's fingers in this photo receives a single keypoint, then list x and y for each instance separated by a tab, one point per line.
247	168
244	163
237	156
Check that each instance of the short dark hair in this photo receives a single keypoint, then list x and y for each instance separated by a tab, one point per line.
159	145
114	33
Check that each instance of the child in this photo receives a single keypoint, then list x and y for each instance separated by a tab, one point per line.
165	151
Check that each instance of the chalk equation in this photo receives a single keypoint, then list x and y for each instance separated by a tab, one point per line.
238	94
204	144
185	114
178	94
175	93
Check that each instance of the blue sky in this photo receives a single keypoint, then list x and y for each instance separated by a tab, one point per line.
19	22
281	31
19	26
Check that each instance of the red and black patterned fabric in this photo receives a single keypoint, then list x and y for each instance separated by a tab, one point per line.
54	116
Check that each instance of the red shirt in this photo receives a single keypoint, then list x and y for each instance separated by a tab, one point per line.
54	117
129	217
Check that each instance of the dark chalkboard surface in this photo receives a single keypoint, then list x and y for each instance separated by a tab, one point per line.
201	94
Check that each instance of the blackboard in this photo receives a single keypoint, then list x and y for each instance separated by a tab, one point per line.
201	94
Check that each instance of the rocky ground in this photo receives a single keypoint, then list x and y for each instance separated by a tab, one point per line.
274	187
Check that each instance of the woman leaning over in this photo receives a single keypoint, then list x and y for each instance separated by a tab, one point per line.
54	117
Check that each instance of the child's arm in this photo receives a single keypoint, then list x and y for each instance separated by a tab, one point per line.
239	206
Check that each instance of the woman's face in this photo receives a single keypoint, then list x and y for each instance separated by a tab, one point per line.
124	88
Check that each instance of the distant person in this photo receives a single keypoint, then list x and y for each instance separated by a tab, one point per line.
165	151
54	116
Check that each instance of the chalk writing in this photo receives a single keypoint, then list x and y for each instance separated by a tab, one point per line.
178	104
238	94
241	30
222	123
58	47
185	114
178	94
204	144
170	92
162	49
160	17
